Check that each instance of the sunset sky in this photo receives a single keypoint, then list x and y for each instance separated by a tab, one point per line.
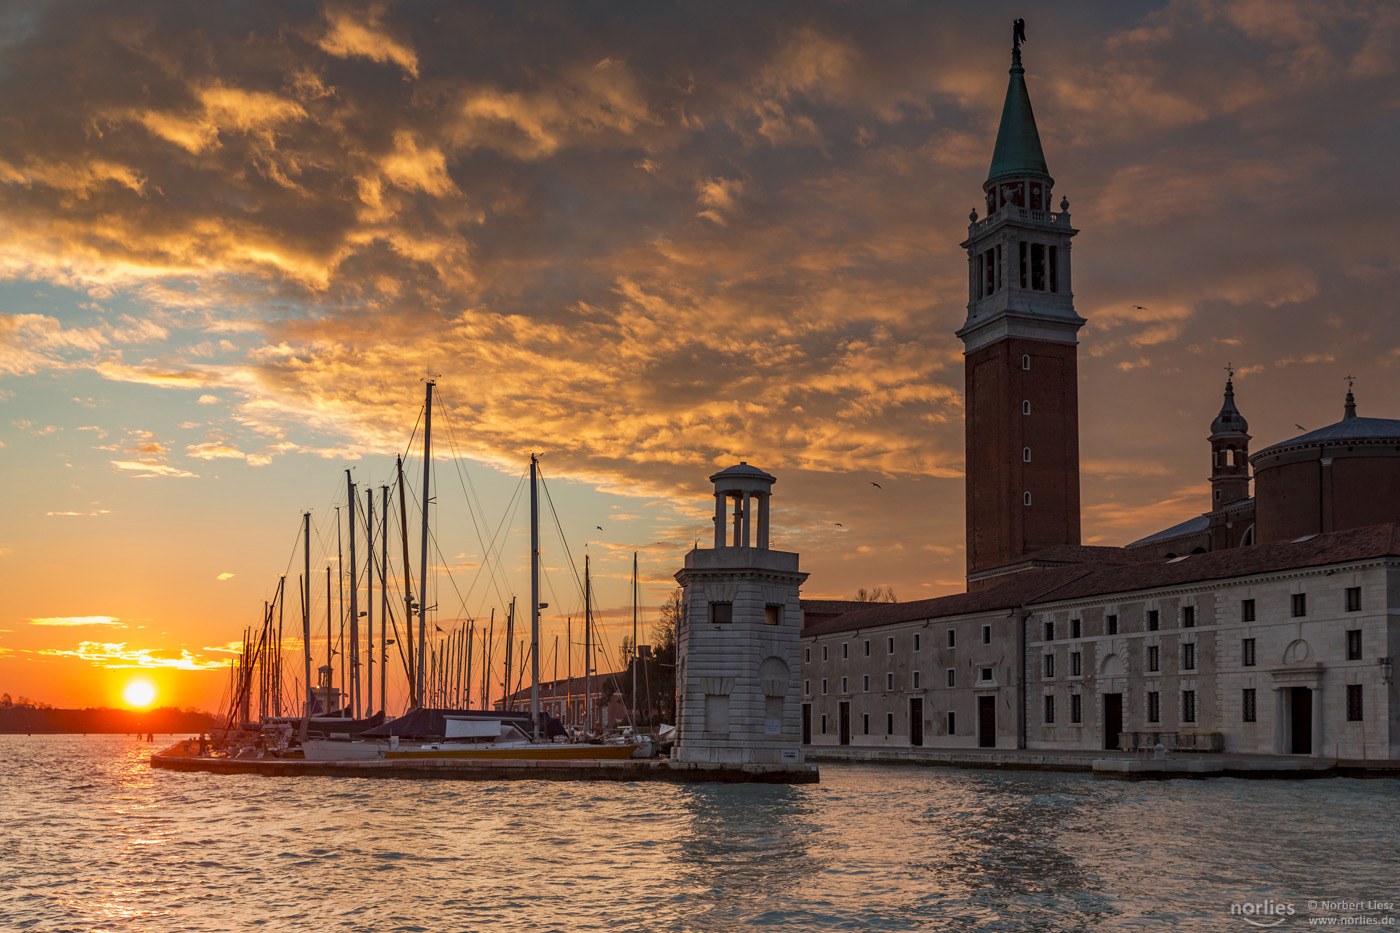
645	240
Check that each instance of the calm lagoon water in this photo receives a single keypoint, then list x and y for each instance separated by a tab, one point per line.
93	839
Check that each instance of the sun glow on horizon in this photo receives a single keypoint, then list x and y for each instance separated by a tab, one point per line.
139	694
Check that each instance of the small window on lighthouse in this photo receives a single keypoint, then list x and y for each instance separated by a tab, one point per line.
1027	498
1026	454
1026	407
1026	362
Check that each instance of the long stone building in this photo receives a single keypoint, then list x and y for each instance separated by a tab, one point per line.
1268	624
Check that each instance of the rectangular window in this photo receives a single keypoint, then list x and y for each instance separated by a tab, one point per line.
1154	706
1054	269
891	651
1075	628
867	647
1111	624
1076	708
1247	652
1038	267
1049	710
1154	620
1188	706
986	634
865	723
889	680
997	262
1076	663
843	685
1188	616
1249	711
1049	666
1049	631
824	652
952	723
1188	656
1246	610
823	686
823	723
809	656
952	638
989	281
916	680
1353	644
865	683
1353	599
916	641
1353	703
985	673
1154	658
952	677
1024	265
723	614
772	615
1300	605
845	650
889	724
806	688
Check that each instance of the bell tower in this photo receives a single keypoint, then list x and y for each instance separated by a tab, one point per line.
1020	357
1229	452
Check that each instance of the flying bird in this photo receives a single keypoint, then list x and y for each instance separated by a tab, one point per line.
599	527
1299	426
838	525
1139	308
876	485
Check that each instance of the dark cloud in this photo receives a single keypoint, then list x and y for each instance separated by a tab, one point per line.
675	234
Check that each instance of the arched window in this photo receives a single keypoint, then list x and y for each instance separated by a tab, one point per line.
1026	407
1025	454
1026	362
1231	457
1026	498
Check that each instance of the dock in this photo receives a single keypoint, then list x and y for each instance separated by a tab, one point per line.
1122	766
458	769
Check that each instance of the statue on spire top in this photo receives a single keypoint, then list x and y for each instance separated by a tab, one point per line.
1018	34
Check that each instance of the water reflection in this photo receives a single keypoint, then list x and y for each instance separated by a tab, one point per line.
745	850
93	839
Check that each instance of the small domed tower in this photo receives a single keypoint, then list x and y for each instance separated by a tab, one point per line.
738	677
1229	452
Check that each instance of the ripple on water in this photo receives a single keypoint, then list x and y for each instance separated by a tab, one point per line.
94	839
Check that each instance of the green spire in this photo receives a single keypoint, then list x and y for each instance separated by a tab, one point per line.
1018	149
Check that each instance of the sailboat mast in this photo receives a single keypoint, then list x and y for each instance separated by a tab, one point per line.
486	662
340	604
369	597
305	589
587	647
534	602
330	634
407	590
423	563
384	603
354	603
635	653
277	671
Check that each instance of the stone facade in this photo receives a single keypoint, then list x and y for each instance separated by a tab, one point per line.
1314	638
737	665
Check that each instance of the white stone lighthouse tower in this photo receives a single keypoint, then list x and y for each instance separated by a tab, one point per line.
737	670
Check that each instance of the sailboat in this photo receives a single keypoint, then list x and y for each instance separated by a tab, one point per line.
425	733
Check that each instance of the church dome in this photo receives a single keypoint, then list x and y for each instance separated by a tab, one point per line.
1346	475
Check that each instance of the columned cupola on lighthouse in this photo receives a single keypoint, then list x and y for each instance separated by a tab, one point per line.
1229	452
1022	403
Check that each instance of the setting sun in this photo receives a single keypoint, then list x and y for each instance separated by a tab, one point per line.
139	694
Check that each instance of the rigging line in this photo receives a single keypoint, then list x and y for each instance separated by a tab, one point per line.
564	541
491	550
